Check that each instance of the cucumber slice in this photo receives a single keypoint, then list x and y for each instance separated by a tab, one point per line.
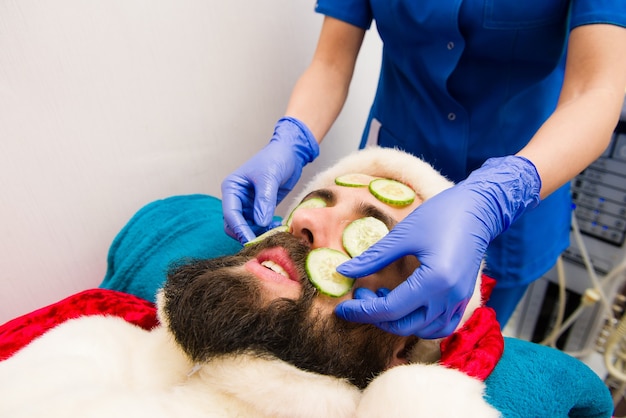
321	265
362	234
392	192
314	202
353	180
281	228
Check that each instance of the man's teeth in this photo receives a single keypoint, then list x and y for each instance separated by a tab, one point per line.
275	267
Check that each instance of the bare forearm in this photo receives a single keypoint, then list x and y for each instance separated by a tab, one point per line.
573	137
580	128
321	91
317	100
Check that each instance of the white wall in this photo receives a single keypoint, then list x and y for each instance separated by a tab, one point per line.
106	105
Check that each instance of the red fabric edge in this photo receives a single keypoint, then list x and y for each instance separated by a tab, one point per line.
474	349
477	346
18	332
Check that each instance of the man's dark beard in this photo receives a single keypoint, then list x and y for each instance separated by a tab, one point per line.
214	310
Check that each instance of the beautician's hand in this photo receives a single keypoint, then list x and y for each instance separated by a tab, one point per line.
449	234
251	193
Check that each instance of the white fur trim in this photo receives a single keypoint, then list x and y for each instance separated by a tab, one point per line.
98	367
418	390
277	389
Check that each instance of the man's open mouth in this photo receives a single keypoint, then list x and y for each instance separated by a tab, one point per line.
275	267
274	264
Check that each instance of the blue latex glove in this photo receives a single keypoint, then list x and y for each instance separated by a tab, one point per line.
251	193
449	234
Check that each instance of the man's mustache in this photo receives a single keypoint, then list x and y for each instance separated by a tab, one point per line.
297	248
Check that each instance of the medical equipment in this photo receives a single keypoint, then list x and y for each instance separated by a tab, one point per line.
579	306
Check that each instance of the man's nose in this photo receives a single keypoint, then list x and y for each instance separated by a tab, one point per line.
320	227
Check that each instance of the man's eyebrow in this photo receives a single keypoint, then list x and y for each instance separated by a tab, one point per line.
361	209
364	210
326	195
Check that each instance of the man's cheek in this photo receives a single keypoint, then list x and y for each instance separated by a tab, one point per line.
373	282
325	305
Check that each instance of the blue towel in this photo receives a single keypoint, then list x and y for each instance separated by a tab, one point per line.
529	381
163	232
532	380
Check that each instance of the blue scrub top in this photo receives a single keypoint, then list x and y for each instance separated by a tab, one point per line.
465	80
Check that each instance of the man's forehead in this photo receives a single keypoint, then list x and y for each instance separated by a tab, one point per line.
380	162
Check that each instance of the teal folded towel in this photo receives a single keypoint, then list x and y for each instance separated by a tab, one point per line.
163	232
530	380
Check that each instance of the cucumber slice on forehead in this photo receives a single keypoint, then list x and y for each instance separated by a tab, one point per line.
281	228
321	265
314	202
392	192
354	180
362	234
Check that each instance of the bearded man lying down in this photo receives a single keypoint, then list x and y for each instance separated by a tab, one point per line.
249	335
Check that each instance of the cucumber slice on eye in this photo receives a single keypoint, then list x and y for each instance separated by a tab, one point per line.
281	228
362	234
353	180
312	203
321	265
392	192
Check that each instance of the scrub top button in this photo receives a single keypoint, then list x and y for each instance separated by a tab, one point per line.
450	45
451	116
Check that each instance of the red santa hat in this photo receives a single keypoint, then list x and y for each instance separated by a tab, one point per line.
477	344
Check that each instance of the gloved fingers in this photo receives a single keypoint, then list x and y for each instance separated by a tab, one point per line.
264	209
375	258
357	310
439	328
364	293
422	311
442	325
235	224
274	224
391	307
241	232
265	200
382	292
409	325
420	324
256	230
